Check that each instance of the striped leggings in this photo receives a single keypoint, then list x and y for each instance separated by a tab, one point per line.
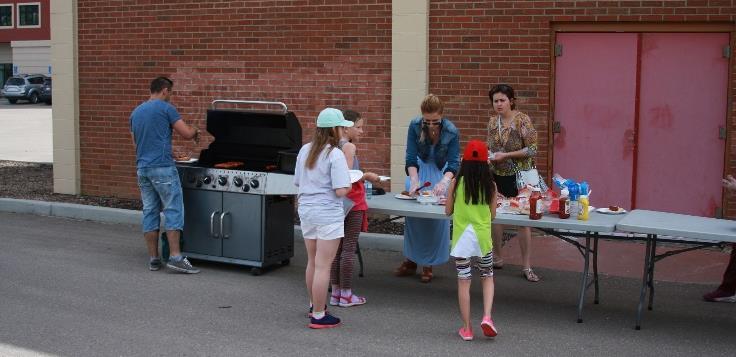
483	264
342	267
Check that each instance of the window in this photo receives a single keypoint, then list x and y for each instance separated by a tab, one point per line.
6	16
29	15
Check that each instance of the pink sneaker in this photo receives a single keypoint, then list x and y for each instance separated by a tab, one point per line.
465	334
489	329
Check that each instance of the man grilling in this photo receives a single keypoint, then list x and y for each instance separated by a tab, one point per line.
151	125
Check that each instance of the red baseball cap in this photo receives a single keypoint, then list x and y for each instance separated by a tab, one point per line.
476	150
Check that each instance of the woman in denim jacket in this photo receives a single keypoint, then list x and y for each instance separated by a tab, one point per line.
432	155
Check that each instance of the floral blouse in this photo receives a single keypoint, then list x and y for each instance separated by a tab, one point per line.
519	135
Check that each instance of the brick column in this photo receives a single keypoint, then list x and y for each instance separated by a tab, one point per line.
65	110
409	76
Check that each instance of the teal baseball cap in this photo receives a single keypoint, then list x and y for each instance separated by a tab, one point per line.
331	117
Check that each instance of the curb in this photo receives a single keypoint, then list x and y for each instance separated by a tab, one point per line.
378	241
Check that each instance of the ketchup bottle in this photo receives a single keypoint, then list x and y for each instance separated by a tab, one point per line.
564	210
535	204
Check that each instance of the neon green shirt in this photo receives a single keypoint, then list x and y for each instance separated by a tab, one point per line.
471	230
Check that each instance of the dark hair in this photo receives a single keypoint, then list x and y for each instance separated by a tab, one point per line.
351	115
503	89
478	181
158	84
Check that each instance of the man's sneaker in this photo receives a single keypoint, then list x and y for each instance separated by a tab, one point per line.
182	266
465	333
719	295
328	321
489	329
154	264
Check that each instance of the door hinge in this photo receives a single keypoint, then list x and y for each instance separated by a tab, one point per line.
558	50
727	51
556	127
719	212
721	133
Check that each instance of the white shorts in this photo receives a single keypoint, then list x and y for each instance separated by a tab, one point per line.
323	231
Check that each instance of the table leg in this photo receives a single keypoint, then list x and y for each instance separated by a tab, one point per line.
643	290
584	279
595	266
652	262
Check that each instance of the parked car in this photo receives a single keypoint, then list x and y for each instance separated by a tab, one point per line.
46	91
25	86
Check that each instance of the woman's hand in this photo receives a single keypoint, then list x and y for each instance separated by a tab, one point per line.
372	177
729	183
500	156
440	188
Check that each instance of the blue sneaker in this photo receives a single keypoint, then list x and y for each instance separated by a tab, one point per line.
328	321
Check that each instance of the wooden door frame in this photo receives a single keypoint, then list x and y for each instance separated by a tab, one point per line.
640	28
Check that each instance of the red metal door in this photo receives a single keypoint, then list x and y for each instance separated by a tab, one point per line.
683	105
595	92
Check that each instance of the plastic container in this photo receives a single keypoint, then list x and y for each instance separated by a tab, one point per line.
583	214
535	204
564	212
560	181
368	190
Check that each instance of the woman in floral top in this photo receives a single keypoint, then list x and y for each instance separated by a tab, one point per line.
513	142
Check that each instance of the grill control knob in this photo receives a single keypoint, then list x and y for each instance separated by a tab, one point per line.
238	182
254	183
246	188
222	180
207	179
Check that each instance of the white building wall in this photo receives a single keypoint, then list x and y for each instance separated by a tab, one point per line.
6	54
31	57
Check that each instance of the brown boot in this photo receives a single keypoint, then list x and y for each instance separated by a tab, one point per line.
426	274
407	268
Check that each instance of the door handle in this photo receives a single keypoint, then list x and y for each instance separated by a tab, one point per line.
222	229
212	225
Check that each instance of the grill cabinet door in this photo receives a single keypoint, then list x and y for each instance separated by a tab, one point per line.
243	225
199	207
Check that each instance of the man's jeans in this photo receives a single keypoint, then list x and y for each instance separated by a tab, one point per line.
161	191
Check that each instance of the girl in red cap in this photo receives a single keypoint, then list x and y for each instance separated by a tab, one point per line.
471	197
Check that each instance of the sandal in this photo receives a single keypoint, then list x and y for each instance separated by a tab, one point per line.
407	268
529	274
426	275
348	301
335	300
498	263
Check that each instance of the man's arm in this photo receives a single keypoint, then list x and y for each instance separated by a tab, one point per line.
186	131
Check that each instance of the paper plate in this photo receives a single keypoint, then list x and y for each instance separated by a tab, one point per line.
605	210
404	197
190	161
355	175
383	178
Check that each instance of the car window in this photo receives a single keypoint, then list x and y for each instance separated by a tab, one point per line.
15	82
36	80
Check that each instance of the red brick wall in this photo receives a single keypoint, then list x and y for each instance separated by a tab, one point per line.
476	44
332	53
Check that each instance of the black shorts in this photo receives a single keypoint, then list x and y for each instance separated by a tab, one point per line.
506	185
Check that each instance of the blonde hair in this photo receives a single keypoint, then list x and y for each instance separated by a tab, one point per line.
322	137
432	104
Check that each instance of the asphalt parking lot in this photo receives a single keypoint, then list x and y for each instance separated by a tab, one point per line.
26	133
81	288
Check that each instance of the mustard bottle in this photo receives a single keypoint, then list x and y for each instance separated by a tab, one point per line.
583	214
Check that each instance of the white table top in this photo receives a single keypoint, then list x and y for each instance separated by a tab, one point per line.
598	222
678	225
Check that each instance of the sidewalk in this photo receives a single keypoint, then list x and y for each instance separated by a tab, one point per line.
616	258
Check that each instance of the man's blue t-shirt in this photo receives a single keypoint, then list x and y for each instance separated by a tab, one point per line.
151	124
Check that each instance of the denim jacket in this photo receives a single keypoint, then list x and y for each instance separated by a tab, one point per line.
446	151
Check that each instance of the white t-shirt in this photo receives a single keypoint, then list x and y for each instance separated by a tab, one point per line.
317	185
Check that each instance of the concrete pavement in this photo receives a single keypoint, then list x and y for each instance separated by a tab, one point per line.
81	288
26	133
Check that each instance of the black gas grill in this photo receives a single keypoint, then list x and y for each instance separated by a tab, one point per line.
243	214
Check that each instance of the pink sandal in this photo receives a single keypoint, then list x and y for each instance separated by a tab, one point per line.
334	300
347	301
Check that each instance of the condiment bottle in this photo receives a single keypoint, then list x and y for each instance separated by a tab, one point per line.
564	211
535	204
583	215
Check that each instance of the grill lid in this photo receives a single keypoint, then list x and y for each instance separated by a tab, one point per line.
252	137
